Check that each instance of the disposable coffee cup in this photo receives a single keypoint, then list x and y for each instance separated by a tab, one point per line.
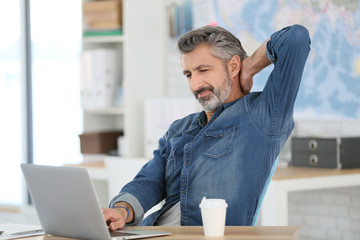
213	213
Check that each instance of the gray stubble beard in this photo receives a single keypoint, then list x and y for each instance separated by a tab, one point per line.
218	97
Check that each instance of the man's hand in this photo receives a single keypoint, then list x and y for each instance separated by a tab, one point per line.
251	66
246	79
116	218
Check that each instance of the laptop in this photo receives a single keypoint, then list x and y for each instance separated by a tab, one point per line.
67	205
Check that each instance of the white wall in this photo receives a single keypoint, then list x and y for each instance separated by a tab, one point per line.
326	214
331	213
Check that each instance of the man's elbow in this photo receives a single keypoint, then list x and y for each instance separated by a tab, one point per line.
300	36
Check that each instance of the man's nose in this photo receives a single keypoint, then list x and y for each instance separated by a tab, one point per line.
196	83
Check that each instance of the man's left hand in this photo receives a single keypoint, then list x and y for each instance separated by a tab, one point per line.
246	79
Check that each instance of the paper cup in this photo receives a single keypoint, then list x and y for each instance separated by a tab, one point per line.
213	213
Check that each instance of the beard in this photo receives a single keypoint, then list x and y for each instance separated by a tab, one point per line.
216	97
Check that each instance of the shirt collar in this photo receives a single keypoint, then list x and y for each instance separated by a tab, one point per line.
202	119
226	105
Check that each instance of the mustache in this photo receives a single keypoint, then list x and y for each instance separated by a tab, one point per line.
203	89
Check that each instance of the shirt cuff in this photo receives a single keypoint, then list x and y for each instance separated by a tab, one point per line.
270	53
134	203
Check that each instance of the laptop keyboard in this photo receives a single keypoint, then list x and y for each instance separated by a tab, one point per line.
121	234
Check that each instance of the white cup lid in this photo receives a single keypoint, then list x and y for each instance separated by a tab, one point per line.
212	203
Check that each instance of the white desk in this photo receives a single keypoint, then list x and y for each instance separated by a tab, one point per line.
100	178
111	174
274	211
96	170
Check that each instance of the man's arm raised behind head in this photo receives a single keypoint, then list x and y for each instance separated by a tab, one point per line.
252	65
288	50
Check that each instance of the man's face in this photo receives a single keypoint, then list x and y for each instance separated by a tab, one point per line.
208	78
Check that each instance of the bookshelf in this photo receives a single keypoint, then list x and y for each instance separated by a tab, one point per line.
107	111
141	50
102	39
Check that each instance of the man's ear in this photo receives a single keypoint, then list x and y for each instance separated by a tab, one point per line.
234	66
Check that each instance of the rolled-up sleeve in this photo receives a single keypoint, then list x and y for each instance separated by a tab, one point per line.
148	188
288	50
134	203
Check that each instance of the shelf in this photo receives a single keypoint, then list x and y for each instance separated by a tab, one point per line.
145	35
107	111
96	170
104	39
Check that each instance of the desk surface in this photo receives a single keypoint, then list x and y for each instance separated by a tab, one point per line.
88	165
274	210
290	172
231	232
281	173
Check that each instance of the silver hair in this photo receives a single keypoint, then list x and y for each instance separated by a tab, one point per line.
224	44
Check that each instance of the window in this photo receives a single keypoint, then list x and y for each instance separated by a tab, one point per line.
57	117
10	104
57	114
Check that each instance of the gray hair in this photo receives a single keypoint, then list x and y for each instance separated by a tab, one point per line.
224	44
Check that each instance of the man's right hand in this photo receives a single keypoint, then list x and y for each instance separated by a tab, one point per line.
116	218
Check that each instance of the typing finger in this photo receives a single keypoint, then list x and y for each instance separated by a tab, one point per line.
114	219
120	223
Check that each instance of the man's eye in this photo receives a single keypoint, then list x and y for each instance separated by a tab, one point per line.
203	70
188	75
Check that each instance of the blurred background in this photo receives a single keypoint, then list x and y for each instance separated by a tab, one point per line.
74	74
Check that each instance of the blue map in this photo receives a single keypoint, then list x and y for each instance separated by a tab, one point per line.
331	79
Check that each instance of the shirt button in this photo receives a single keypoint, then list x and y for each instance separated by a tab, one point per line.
183	192
187	163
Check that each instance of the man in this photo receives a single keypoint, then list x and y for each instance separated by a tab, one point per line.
229	150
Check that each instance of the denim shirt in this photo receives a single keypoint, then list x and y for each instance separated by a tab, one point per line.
231	156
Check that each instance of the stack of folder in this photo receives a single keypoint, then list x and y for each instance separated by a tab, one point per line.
102	17
100	79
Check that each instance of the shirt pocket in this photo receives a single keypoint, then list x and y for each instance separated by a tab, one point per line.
219	142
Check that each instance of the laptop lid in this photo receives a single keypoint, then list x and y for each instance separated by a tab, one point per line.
66	203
